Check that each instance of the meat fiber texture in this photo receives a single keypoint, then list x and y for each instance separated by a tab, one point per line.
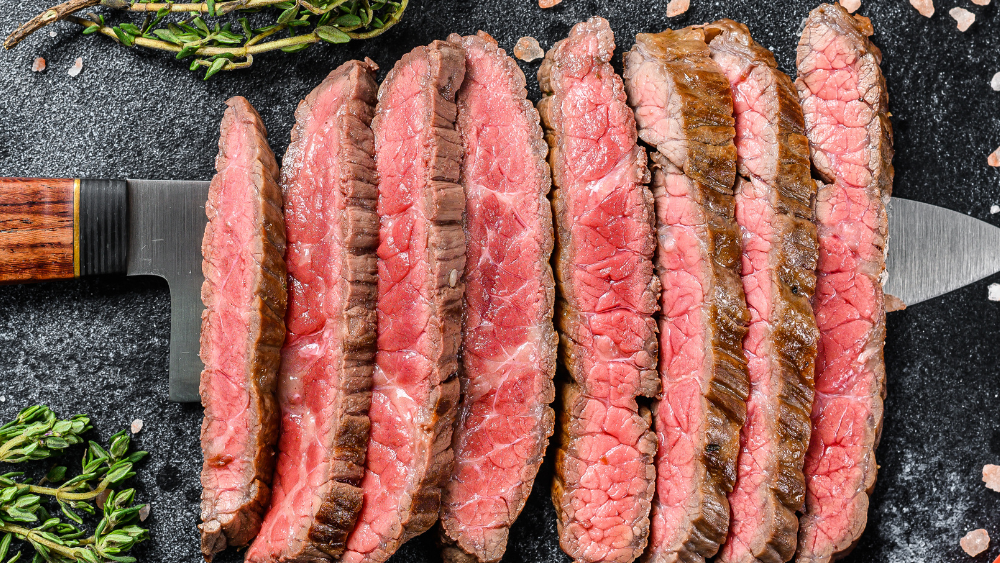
509	342
421	258
609	290
324	386
242	329
683	107
774	210
845	103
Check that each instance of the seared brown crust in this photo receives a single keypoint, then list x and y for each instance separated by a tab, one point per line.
335	517
708	160
223	524
793	336
575	339
456	548
856	30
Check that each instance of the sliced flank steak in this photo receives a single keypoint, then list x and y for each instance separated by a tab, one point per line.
242	331
324	386
608	295
421	259
683	106
774	209
509	343
845	104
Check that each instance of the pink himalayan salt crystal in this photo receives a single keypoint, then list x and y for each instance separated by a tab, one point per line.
677	7
975	542
981	2
925	7
994	158
528	49
991	476
851	5
547	3
77	67
38	65
963	17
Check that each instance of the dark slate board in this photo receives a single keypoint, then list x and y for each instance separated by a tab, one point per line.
100	345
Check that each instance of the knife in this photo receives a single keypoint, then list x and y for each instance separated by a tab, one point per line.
69	228
58	229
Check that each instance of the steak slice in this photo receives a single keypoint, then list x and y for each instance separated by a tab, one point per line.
509	343
845	103
683	107
324	387
421	257
774	209
242	329
608	295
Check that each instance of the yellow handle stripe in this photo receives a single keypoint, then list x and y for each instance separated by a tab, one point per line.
76	227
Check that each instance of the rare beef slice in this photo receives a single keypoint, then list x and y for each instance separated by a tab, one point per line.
844	101
242	329
509	343
683	106
421	260
608	294
774	210
324	386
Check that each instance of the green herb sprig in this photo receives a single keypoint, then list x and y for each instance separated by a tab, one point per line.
181	28
61	537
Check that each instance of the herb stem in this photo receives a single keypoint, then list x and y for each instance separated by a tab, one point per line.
43	19
34	537
63	495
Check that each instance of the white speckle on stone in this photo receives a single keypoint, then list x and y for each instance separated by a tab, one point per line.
975	542
994	209
453	278
993	292
527	49
851	5
136	426
925	7
964	17
677	7
991	476
77	67
995	82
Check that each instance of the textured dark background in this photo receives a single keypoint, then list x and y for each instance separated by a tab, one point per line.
100	345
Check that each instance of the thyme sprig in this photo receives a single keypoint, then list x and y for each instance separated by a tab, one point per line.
182	28
26	506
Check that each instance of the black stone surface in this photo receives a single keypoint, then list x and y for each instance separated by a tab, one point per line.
100	345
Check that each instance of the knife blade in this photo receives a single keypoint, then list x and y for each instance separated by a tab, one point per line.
933	250
68	228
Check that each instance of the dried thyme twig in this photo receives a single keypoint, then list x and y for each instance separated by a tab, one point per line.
233	44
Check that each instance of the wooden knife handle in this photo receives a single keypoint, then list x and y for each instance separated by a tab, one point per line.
62	228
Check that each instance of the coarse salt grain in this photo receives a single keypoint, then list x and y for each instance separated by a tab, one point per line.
527	49
851	5
677	7
547	3
991	476
38	65
3	399
925	7
144	513
77	67
994	209
993	292
964	17
995	82
994	158
52	34
136	426
981	2
975	542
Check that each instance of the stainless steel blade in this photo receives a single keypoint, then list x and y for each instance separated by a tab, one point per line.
933	250
167	222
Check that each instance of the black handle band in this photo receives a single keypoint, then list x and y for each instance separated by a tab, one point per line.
103	227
